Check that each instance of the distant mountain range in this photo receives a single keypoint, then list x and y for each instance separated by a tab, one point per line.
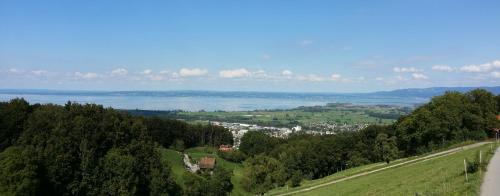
430	92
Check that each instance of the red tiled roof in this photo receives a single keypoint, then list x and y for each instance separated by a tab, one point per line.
207	163
225	148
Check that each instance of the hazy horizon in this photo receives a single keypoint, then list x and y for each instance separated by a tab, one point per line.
243	91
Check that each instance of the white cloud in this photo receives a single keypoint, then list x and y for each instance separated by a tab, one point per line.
311	78
401	78
495	74
259	74
235	73
119	72
14	70
287	72
185	72
156	77
175	75
418	76
486	67
336	77
164	72
39	72
147	72
405	69
89	75
379	78
444	68
475	68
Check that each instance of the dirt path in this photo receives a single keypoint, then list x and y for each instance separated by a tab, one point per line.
491	183
432	156
193	168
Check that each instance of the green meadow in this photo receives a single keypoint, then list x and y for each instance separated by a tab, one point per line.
436	176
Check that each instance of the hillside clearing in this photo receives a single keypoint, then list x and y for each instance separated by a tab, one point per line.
174	159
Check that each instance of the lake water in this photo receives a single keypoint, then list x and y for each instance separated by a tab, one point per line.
204	100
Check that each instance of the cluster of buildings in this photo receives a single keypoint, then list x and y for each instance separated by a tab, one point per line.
239	129
331	128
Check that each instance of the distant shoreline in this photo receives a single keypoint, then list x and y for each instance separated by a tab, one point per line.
225	100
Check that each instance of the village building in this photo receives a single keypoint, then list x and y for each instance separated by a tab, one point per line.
207	163
225	148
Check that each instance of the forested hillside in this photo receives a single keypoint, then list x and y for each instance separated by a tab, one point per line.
89	150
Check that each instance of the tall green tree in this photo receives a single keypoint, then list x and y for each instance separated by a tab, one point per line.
385	147
19	170
13	116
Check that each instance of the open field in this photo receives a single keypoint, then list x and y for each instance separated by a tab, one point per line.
174	159
439	175
304	116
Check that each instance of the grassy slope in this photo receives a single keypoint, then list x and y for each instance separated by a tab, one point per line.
174	159
440	176
339	175
356	170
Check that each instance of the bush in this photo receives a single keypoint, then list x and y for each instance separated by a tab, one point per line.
472	166
475	165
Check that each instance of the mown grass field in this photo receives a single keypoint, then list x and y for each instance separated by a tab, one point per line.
356	170
438	176
174	159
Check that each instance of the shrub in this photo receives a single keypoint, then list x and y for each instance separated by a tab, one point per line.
475	165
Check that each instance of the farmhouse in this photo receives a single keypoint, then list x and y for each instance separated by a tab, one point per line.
225	148
207	163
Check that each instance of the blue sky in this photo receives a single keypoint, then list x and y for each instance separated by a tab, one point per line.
327	46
